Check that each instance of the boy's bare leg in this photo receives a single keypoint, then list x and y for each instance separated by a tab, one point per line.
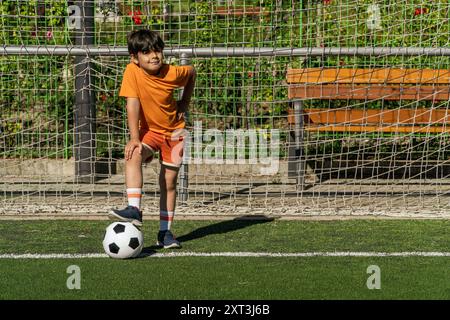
133	175
134	182
133	168
168	185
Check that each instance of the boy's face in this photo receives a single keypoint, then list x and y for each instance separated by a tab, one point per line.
150	61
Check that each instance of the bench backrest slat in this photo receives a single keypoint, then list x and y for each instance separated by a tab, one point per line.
367	76
368	92
374	116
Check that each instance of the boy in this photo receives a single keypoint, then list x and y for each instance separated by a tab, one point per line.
154	118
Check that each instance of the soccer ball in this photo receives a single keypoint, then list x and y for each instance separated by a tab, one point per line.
123	240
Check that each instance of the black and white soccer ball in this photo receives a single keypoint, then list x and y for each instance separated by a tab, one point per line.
123	240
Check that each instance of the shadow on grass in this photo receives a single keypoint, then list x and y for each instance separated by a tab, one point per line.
224	227
216	228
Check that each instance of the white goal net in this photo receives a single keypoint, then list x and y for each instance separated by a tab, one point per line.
325	107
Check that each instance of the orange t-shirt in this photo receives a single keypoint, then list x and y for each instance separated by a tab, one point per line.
155	93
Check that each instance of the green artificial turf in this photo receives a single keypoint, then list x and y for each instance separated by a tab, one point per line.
231	277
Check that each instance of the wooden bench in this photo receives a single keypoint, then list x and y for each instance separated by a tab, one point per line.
367	85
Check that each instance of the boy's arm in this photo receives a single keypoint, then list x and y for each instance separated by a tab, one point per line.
133	111
183	104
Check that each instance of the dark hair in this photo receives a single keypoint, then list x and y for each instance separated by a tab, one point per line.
144	41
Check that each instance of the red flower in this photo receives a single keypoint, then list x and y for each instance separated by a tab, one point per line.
420	11
137	20
250	74
326	1
135	16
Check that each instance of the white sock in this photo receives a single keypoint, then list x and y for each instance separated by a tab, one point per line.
134	197
165	220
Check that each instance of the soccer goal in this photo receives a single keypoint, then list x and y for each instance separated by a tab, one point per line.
301	108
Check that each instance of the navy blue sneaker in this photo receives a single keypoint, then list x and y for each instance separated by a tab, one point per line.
129	214
167	240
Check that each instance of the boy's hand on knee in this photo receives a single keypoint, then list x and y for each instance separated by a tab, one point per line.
129	148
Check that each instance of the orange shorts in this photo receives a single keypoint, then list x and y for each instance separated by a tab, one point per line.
170	148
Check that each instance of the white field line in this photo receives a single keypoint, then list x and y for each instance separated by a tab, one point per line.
232	254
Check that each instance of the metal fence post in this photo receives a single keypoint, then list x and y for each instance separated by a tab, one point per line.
85	148
183	186
300	159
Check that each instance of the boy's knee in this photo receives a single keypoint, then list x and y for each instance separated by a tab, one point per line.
136	157
171	185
